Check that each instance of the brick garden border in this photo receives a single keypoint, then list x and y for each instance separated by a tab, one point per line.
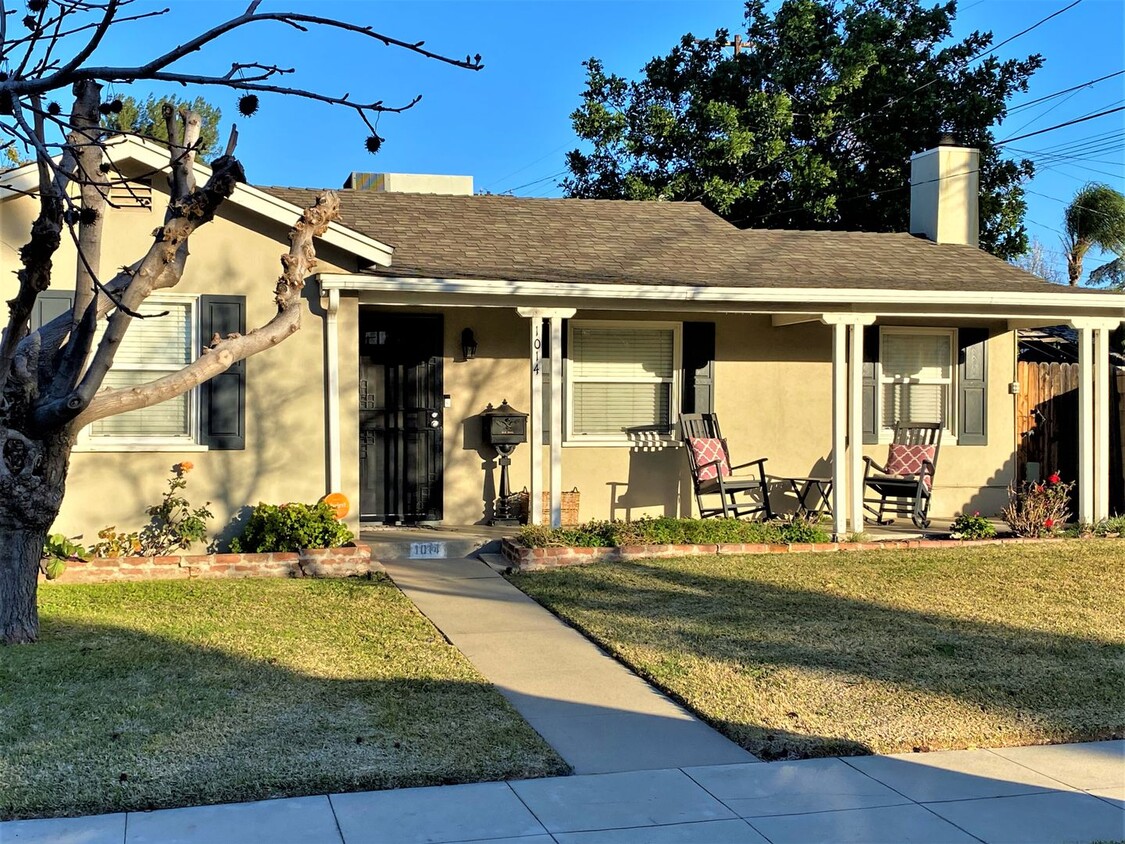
312	562
522	558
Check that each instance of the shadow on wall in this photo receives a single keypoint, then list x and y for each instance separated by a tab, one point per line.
657	473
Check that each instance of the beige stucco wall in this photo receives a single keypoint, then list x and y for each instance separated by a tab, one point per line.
773	396
285	457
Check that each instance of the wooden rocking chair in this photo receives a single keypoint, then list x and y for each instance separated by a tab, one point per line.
713	474
905	484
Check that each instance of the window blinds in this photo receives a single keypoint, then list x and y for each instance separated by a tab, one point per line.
622	379
150	349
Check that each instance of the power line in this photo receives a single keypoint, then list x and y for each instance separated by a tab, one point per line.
537	181
1022	106
1060	125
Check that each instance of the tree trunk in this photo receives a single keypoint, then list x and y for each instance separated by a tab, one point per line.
20	551
32	482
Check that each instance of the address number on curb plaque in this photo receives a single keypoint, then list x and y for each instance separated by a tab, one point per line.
427	550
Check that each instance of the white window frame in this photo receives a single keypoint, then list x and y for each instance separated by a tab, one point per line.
88	441
886	434
570	438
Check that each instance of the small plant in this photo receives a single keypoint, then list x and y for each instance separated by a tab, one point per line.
58	551
1111	527
175	525
804	530
975	526
1038	509
291	527
114	543
669	531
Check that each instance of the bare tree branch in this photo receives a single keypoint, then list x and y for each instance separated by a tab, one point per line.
223	352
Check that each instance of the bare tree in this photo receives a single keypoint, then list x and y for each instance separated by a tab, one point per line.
1037	260
51	378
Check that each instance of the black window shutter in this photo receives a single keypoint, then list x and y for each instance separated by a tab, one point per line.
972	386
223	398
698	394
870	384
50	304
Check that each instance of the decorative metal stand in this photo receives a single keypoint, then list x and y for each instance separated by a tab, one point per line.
504	429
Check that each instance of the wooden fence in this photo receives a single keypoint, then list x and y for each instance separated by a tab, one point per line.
1047	424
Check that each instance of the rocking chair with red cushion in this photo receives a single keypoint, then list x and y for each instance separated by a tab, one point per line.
713	474
904	485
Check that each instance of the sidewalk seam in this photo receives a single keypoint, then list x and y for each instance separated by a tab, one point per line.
335	819
911	799
714	796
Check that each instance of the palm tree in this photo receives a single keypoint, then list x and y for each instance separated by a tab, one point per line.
1095	217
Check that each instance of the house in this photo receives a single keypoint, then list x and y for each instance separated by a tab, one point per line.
601	320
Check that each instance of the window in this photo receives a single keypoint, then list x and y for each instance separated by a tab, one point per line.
916	376
151	349
622	379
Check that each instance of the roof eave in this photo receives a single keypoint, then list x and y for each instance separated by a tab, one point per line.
1049	307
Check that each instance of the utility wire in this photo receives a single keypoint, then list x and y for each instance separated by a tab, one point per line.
1060	125
1021	106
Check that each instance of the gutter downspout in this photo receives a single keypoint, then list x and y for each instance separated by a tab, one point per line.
332	378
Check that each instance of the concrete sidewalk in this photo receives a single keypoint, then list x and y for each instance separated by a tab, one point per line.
598	715
1060	793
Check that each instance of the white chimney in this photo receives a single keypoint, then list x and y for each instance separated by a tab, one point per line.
411	183
944	193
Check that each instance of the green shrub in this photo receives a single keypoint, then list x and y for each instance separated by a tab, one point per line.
670	531
975	526
290	527
1038	509
1113	526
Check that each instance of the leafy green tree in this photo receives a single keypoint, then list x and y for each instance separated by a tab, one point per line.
145	118
811	124
1096	217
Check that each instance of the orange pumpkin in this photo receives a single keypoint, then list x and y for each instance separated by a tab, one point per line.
339	504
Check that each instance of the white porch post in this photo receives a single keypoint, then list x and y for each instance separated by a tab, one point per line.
332	386
855	425
847	420
556	420
839	428
535	420
1085	427
1101	424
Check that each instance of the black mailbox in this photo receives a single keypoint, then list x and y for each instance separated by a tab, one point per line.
504	425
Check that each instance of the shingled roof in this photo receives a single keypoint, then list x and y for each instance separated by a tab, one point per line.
653	243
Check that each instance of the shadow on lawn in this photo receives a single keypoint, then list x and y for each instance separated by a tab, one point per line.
1057	687
103	718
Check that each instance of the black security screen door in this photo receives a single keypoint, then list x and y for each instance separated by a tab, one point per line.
400	417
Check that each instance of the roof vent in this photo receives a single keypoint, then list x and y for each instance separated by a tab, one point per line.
411	183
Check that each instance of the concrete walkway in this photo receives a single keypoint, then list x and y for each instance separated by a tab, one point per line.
598	715
1061	793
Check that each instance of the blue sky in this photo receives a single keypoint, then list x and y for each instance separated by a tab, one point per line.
508	125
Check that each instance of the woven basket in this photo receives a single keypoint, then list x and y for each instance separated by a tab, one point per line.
569	507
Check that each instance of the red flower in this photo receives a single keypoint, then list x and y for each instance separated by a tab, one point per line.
1050	523
1054	478
977	513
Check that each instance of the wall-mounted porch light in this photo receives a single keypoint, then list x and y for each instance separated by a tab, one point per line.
468	344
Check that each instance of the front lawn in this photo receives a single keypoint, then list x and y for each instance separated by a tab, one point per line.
146	695
874	652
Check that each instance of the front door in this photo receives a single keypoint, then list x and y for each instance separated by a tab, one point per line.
400	417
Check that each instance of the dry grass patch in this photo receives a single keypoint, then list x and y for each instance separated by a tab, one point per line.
145	695
812	655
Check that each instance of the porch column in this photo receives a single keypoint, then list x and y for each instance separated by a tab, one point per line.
847	420
535	420
855	424
1093	416
1085	427
1101	423
332	387
556	421
839	429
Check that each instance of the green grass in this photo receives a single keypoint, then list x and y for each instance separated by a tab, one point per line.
850	653
147	695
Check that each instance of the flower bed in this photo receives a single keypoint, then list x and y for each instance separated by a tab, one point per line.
523	558
312	562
